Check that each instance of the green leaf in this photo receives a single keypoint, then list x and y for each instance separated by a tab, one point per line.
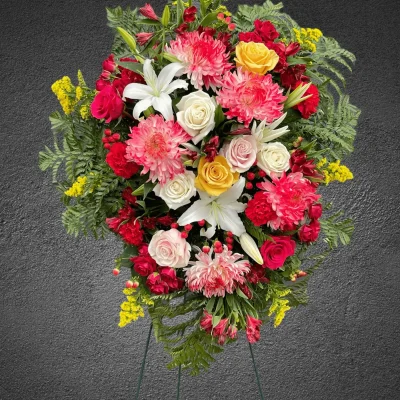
148	187
209	19
220	306
147	21
210	304
219	115
166	16
215	320
132	66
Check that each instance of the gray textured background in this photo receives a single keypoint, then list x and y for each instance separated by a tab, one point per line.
59	300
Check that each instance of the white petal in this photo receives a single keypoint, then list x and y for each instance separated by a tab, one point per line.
210	232
163	104
275	134
277	122
229	220
137	91
233	193
178	84
198	211
141	106
149	75
167	74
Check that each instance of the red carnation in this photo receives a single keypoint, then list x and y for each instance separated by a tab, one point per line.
107	104
144	265
259	210
275	253
292	76
118	163
266	30
128	197
156	284
309	106
189	15
256	274
253	329
250	37
309	233
149	222
166	220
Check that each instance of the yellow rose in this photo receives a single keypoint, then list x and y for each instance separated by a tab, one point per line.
215	177
255	57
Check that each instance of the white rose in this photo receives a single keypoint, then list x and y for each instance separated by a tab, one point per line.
178	191
241	152
196	114
273	157
169	249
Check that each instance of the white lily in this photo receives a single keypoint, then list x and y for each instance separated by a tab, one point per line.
156	91
219	211
267	132
250	248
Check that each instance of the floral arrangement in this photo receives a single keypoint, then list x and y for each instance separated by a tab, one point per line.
202	147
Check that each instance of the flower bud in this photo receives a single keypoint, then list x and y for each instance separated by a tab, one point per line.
250	248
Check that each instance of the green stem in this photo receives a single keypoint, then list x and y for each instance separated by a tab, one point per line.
256	372
143	363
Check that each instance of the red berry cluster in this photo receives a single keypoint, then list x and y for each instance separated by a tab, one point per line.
110	138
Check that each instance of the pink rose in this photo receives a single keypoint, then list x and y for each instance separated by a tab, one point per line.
309	233
169	249
315	211
107	104
240	153
275	253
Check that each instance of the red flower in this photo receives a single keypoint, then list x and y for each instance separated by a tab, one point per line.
293	75
143	37
315	211
253	329
309	233
166	220
156	284
168	275
189	15
107	104
232	332
128	197
144	265
118	163
246	291
298	157
259	210
275	253
149	222
109	64
299	163
250	37
182	28
211	148
266	30
148	12
126	76
206	322
256	274
309	106
220	331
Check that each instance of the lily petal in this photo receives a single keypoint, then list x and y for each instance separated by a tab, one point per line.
137	91
141	106
149	75
177	84
233	193
163	104
229	220
198	211
167	75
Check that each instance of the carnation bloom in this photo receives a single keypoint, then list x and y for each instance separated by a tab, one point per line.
216	276
118	163
249	96
155	144
289	196
205	59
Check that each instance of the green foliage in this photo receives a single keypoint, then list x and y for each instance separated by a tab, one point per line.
337	230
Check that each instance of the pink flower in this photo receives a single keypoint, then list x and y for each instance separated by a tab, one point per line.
253	329
156	284
169	249
215	277
154	144
220	331
107	104
143	37
148	12
249	96
204	58
240	153
289	196
206	322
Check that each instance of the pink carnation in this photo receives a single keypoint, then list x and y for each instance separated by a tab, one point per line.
154	144
249	96
215	277
205	59
290	196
